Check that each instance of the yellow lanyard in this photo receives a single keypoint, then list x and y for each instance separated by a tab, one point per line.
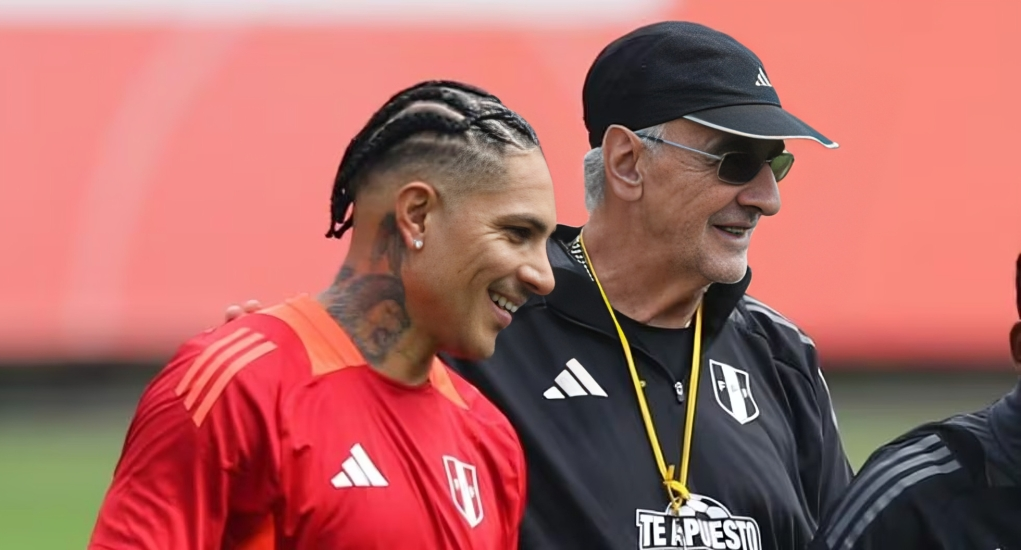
677	489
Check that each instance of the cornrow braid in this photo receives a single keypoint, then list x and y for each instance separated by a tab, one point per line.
444	123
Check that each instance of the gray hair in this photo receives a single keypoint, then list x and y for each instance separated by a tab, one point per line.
595	170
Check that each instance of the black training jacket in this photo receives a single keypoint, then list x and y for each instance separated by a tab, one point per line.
948	485
766	457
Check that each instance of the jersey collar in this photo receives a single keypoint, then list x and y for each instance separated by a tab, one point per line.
330	347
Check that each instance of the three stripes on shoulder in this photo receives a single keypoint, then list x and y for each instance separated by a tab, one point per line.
884	481
756	306
214	368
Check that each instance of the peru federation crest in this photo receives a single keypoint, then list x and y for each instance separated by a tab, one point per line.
733	390
464	489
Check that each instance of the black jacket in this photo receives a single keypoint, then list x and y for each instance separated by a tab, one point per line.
766	456
948	485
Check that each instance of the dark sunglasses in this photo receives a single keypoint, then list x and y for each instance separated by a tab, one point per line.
739	168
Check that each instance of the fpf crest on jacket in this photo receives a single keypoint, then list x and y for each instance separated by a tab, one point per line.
733	392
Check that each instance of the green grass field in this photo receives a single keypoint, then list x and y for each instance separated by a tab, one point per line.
55	462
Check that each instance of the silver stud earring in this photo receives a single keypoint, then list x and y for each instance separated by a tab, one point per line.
418	244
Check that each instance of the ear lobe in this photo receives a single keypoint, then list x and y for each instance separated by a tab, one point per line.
1015	345
413	204
620	154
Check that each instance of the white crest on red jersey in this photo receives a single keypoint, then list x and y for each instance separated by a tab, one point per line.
464	489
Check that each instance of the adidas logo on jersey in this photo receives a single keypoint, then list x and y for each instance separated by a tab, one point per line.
358	471
574	381
701	524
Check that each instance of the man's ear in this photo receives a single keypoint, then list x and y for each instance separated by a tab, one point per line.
414	202
621	149
1015	345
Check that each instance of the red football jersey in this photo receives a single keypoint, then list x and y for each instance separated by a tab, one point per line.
272	432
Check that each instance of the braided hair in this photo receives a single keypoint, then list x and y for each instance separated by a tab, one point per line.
435	125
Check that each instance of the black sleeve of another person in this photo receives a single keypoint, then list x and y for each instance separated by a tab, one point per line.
892	503
897	526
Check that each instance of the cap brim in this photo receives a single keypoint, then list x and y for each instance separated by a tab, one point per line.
759	122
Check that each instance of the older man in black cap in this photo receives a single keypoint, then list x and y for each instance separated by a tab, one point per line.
658	404
945	485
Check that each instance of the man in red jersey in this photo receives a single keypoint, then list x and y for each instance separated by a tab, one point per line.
328	422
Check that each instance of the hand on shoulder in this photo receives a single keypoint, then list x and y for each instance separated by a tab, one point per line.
234	310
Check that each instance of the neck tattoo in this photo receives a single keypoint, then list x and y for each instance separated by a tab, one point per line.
371	305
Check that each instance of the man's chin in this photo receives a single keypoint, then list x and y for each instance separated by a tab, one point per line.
475	351
728	272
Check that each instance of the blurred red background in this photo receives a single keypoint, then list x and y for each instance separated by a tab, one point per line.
154	171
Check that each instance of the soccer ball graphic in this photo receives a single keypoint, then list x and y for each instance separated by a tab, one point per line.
700	506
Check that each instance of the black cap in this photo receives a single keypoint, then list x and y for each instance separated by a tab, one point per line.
669	70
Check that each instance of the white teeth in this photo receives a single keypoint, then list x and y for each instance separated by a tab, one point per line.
503	302
734	230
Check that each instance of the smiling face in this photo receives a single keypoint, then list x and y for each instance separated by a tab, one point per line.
483	255
705	223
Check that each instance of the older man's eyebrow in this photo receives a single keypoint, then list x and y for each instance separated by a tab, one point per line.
733	144
727	144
